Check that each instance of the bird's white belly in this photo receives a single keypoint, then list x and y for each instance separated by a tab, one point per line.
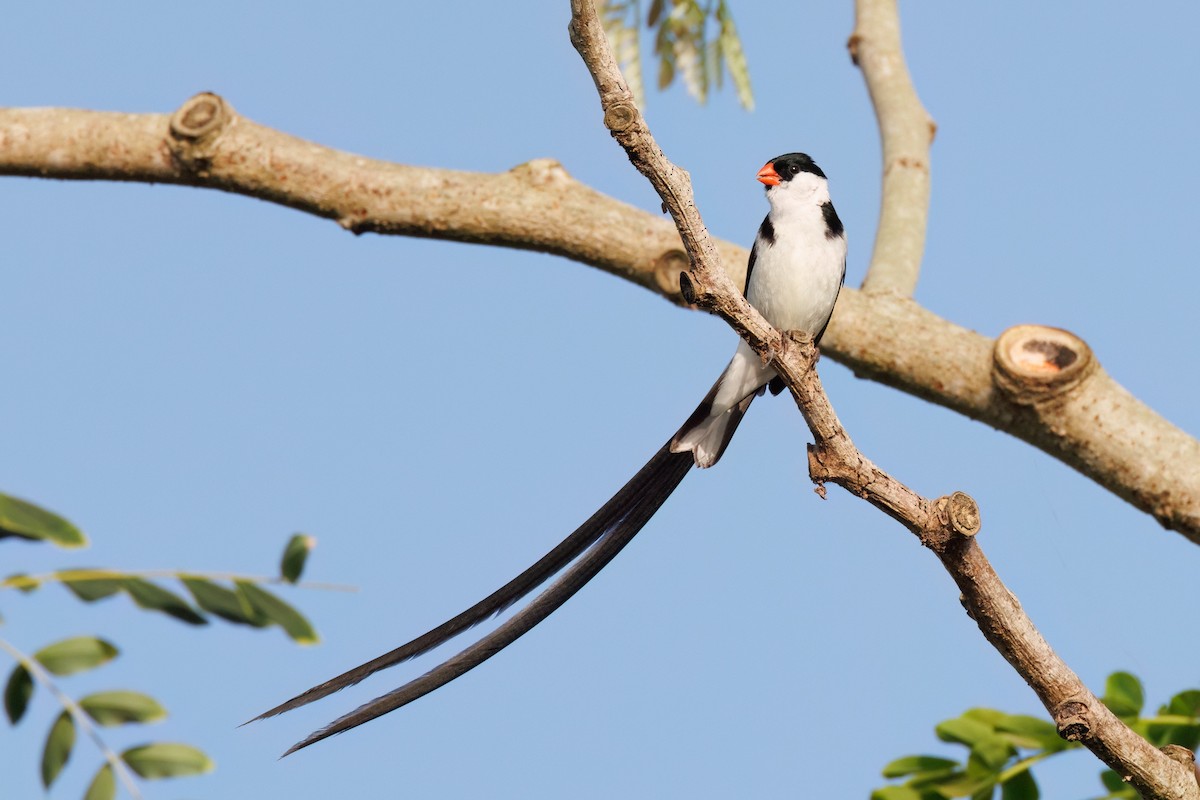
796	281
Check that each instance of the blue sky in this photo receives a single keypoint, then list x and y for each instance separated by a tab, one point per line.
192	376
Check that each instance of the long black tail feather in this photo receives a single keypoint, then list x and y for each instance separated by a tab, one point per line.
546	567
622	517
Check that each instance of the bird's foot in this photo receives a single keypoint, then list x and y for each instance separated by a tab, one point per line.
802	340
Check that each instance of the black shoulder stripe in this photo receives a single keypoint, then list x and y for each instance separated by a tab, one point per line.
750	269
833	225
766	231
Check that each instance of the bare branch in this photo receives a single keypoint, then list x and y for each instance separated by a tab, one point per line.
905	131
626	124
948	525
1090	422
538	206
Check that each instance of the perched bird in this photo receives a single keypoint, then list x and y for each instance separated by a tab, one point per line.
795	272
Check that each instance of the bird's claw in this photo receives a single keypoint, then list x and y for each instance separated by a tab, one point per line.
788	340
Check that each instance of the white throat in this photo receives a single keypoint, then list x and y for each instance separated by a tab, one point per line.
802	194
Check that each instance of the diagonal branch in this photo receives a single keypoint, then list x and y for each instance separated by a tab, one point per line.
947	525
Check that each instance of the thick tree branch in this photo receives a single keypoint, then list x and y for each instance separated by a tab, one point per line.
906	132
538	206
948	525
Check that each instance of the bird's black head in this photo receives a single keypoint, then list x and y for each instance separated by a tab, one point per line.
790	165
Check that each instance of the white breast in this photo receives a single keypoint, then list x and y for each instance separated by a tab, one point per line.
796	279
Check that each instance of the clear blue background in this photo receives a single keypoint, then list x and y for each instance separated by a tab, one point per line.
192	376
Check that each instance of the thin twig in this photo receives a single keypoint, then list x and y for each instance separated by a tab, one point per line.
100	574
947	525
120	770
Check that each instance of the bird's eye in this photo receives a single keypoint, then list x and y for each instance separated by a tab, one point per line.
795	169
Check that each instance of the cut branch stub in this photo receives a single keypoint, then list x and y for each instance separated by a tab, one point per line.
960	513
695	292
1035	363
195	127
620	117
953	518
670	270
201	115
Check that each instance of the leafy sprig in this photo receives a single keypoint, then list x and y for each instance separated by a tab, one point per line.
696	41
238	599
1002	748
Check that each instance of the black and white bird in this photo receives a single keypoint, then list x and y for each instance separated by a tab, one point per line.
795	273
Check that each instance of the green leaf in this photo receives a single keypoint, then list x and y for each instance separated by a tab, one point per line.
666	70
655	13
272	608
1186	703
23	519
1123	694
17	693
294	555
1178	722
1115	786
167	760
75	655
909	765
896	793
122	707
1021	786
620	21
153	597
58	748
22	582
1112	781
963	730
103	786
629	46
1031	732
222	602
734	57
961	784
993	753
988	716
91	589
715	59
686	23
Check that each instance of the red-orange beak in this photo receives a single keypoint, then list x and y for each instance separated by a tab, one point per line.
768	175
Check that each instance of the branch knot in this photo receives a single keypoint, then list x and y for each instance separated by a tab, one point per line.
1032	364
620	117
670	273
694	291
195	127
951	519
959	513
1073	719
